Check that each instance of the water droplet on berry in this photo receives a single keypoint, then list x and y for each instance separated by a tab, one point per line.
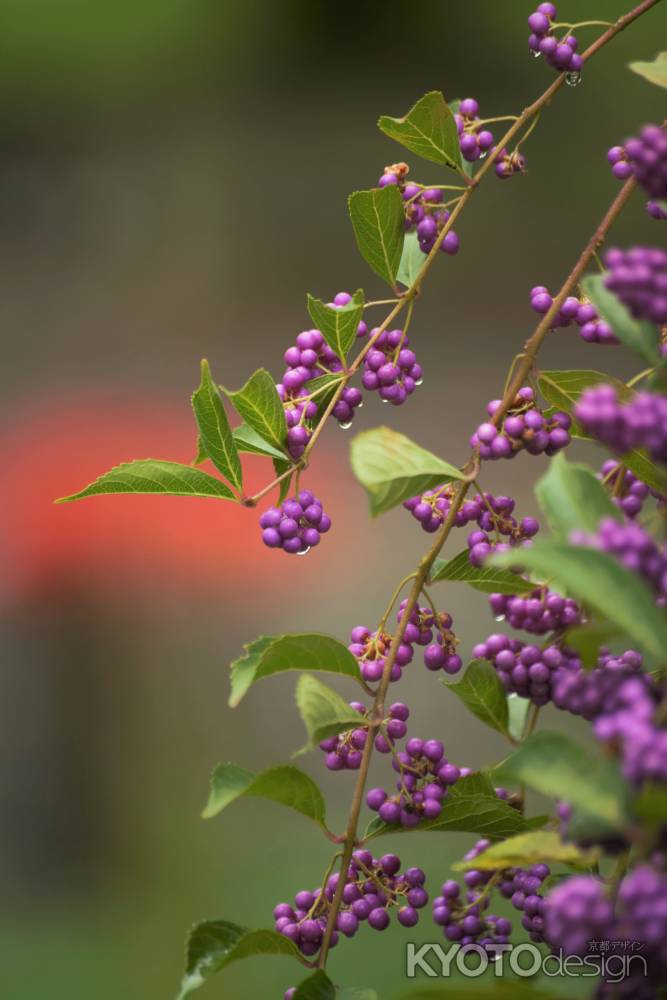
535	55
419	381
346	426
302	552
573	79
500	618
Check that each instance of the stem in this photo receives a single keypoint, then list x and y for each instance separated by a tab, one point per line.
531	349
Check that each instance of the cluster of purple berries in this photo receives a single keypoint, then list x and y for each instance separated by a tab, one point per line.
629	494
579	913
295	526
640	423
498	530
425	776
524	669
562	55
371	649
645	158
344	751
507	164
391	367
524	426
372	887
634	548
424	626
540	612
627	725
590	693
592	328
423	210
522	887
463	920
638	277
474	140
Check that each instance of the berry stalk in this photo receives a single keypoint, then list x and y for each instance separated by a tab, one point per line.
521	370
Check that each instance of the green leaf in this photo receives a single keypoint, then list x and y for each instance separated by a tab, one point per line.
651	805
598	580
377	220
468	810
259	404
483	694
655	71
517	711
563	388
280	466
316	987
428	129
555	765
286	784
338	324
323	710
151	475
642	338
490	580
573	498
201	455
214	944
269	655
392	468
249	441
412	260
527	849
641	465
355	993
215	432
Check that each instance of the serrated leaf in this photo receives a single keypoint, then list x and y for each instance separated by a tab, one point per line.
428	129
259	404
553	764
641	337
338	324
286	784
249	441
563	388
655	71
529	849
601	582
215	432
412	260
393	468
201	455
467	810
323	710
377	220
269	655
483	694
215	944
573	498
517	712
152	475
488	579
316	987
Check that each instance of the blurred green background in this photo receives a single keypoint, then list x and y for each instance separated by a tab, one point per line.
173	180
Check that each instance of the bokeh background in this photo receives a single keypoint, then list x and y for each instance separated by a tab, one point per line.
173	179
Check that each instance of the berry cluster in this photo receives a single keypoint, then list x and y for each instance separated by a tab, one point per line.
372	887
576	912
508	163
590	693
540	612
627	726
344	751
424	213
640	423
562	55
463	920
642	916
592	329
634	548
391	367
645	157
498	530
524	426
295	526
371	649
425	775
439	654
474	140
630	493
638	277
527	670
521	886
